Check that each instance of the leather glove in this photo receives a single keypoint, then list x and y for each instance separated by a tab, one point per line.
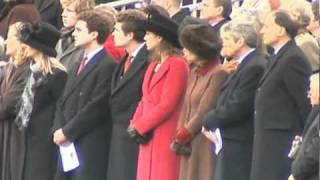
183	136
140	139
179	149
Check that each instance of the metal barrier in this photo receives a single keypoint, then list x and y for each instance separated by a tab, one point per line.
193	7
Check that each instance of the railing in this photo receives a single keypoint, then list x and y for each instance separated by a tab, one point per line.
124	4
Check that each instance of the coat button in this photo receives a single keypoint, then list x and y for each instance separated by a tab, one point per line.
80	94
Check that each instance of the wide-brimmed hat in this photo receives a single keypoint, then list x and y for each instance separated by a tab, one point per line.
41	36
162	26
201	40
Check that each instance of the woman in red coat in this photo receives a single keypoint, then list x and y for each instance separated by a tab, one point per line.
154	123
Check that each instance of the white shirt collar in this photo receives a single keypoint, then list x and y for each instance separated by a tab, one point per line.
245	55
93	53
276	50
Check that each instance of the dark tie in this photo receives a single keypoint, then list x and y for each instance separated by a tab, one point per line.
82	65
127	64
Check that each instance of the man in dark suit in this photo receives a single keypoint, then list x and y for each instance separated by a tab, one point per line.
234	111
281	103
82	115
125	94
216	12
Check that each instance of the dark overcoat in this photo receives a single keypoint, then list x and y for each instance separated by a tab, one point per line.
30	154
281	108
83	114
126	92
234	116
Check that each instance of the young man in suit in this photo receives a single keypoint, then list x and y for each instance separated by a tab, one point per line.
82	115
234	111
126	93
281	104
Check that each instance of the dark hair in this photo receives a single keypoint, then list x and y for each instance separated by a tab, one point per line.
226	5
315	10
284	20
164	47
150	9
96	22
128	18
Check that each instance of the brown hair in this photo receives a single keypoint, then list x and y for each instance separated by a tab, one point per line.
96	22
164	48
127	19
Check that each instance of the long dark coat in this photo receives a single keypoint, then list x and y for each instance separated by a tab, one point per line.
126	92
83	114
281	108
30	154
234	116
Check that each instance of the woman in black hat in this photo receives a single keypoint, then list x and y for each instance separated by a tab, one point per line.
28	93
154	123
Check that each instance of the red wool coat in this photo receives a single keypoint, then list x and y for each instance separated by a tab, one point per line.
159	110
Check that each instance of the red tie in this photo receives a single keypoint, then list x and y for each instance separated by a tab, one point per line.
127	64
82	65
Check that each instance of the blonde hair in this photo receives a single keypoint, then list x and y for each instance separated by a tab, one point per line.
80	5
164	48
47	63
20	57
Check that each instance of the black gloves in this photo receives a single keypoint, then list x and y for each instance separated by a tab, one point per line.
180	149
140	139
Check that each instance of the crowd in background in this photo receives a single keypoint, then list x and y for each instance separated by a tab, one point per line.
156	94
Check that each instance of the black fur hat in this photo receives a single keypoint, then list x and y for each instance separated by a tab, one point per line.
201	40
162	26
41	36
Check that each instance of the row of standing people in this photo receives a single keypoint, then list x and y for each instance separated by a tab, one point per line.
83	109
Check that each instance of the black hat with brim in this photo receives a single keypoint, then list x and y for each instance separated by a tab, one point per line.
41	36
162	26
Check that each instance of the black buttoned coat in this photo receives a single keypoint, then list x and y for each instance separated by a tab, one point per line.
84	116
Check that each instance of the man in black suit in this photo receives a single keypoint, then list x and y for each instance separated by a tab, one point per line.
216	12
125	94
281	103
234	111
82	115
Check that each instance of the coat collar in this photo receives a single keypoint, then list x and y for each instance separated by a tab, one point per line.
202	71
119	80
74	79
240	67
276	59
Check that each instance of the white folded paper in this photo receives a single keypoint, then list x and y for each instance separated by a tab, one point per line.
69	156
218	143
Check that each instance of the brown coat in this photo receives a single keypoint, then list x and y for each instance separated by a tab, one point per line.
202	93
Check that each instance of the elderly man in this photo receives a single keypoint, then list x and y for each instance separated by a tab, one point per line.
234	111
281	103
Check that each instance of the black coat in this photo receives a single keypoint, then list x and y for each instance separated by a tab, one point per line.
234	116
281	107
126	92
31	153
50	11
306	164
83	114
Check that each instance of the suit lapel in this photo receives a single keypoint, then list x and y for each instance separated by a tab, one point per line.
240	67
276	60
76	79
137	64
